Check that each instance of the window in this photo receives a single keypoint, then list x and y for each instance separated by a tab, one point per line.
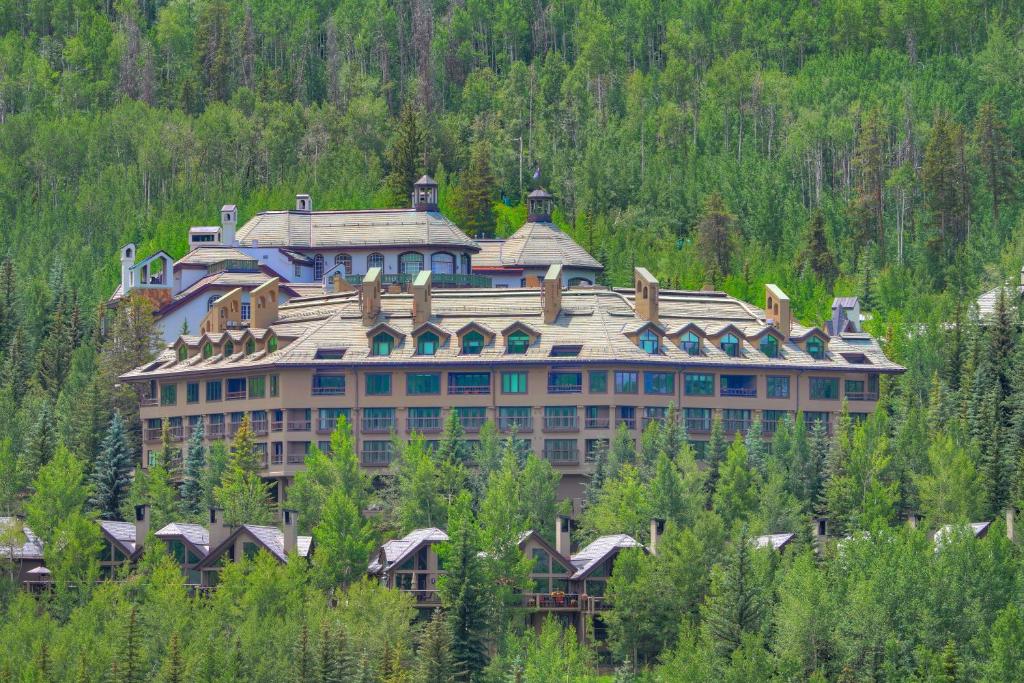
518	342
770	420
168	394
743	386
328	419
207	350
472	343
699	384
250	347
427	344
469	383
854	389
824	388
560	451
382	345
626	382
594	448
566	350
378	419
192	392
514	417
418	384
770	346
323	385
778	387
565	382
734	420
816	347
627	416
650	342
424	419
257	386
211	301
690	343
275	388
410	263
214	390
297	270
182	353
378	384
812	418
375	260
513	382
272	345
329	353
698	419
560	418
229	349
599	381
471	418
236	388
659	383
345	261
731	345
318	267
246	312
442	263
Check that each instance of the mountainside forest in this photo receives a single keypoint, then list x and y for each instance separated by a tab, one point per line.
864	148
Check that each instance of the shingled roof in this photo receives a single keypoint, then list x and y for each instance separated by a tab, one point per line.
535	245
30	549
397	549
599	550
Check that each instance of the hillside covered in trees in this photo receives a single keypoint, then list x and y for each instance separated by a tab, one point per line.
839	147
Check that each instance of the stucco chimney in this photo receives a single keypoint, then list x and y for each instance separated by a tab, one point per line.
646	299
657	529
141	525
551	293
303	202
562	538
776	309
218	531
228	223
819	532
1011	523
421	297
369	296
290	529
127	261
263	301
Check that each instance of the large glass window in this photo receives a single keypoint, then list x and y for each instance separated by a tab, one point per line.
427	344
659	383
699	384
383	343
690	343
599	381
378	383
731	345
318	267
563	382
410	263
442	263
778	386
770	346
214	389
816	347
325	385
650	342
421	383
375	260
626	382
469	383
513	382
236	388
192	392
744	386
168	394
518	342
824	388
472	343
698	419
258	386
275	387
345	261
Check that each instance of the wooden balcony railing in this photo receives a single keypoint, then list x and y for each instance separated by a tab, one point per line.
597	422
551	601
215	430
424	425
378	425
698	425
424	597
740	392
154	433
296	458
733	426
565	388
561	423
456	389
328	391
298	425
235	395
148	401
176	433
630	422
562	456
522	424
326	425
259	427
276	425
472	423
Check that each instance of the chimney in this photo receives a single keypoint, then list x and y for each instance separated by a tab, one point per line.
127	261
538	206
562	539
913	519
304	203
228	221
646	300
141	525
819	533
290	531
776	309
263	301
657	529
1011	523
369	299
421	297
218	532
424	194
551	293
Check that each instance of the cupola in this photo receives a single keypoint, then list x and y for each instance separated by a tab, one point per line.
538	206
424	194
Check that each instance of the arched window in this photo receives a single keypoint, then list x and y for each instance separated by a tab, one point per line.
229	349
383	343
690	343
770	346
272	345
731	345
250	347
318	266
518	342
411	262
211	301
467	265
182	353
344	260
207	350
650	342
442	262
472	343
577	281
375	260
427	343
816	347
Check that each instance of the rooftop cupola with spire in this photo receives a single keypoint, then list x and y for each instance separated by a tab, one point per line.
424	194
538	206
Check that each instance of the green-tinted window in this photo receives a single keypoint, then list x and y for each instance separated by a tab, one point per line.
699	384
513	382
690	343
778	387
599	381
229	349
214	390
659	383
427	343
275	388
472	343
382	344
182	352
250	347
257	386
731	345
249	550
423	383
272	345
168	394
770	346
816	347
650	342
378	384
518	342
824	388
207	350
626	382
192	392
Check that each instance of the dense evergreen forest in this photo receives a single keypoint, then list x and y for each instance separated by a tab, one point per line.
838	147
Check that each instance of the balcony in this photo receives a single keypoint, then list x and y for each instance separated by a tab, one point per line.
478	390
733	426
597	422
326	425
233	428
296	458
472	423
235	395
277	459
328	391
153	433
424	598
561	423
215	430
648	419
176	433
861	395
299	425
424	425
698	425
565	388
259	427
378	425
630	422
769	426
376	458
551	601
521	424
148	401
277	425
562	456
739	392
442	280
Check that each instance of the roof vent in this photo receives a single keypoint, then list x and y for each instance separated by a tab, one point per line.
303	202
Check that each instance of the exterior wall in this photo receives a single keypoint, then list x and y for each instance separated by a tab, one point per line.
516	281
193	312
272	257
185	277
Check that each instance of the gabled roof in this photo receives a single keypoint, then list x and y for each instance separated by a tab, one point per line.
599	550
30	549
536	245
121	533
683	329
270	538
196	535
395	551
767	329
809	332
374	330
431	327
977	529
722	330
206	255
520	325
774	541
555	555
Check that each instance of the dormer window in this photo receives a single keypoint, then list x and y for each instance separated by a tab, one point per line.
427	344
383	344
770	346
207	350
229	349
272	345
731	345
250	347
472	343
816	348
182	353
650	342
690	343
518	342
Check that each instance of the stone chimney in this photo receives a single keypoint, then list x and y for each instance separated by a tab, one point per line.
563	540
127	261
218	532
646	300
228	222
551	293
304	203
538	206
424	194
776	309
1011	523
290	529
264	304
141	525
369	296
421	297
657	529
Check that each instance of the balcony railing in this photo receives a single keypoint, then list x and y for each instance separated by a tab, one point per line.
648	419
235	395
215	430
276	425
444	280
733	426
296	458
561	423
698	425
742	392
551	601
522	424
154	433
480	390
565	388
425	597
376	458
597	422
326	425
472	423
423	425
299	425
378	425
233	428
147	401
328	391
259	427
562	456
630	422
176	433
861	395
276	458
769	426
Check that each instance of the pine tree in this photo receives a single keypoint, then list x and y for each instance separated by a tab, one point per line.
243	448
870	165
736	491
434	661
8	301
736	602
716	238
816	256
406	156
111	473
946	187
172	662
995	156
303	656
191	490
17	365
473	203
128	667
41	440
715	451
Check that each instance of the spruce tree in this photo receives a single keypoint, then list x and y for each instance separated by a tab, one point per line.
41	440
473	203
405	158
434	660
735	604
16	369
191	490
716	238
995	156
111	473
8	303
172	668
817	257
715	450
